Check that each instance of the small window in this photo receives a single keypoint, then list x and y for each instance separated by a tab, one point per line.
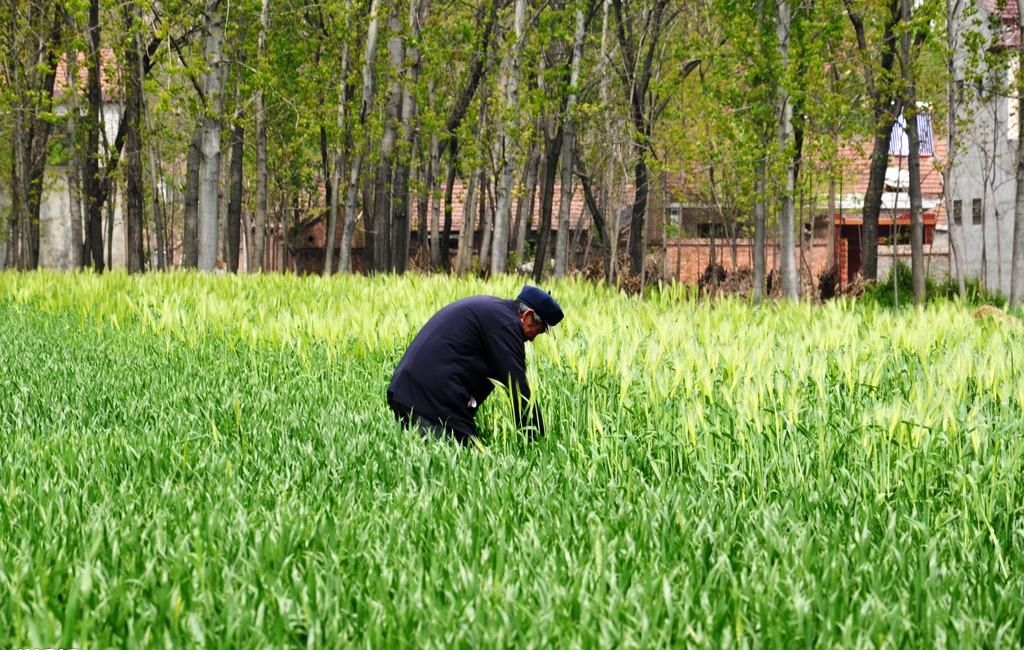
976	212
674	212
958	212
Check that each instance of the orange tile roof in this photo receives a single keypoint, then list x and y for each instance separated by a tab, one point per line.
857	163
108	68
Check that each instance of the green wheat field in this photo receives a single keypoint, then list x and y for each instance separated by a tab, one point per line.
193	461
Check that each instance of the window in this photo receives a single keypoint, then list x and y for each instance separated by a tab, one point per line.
674	212
976	212
958	212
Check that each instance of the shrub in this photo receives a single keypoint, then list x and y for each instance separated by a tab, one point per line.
884	294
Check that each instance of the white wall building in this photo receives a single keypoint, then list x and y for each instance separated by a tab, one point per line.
982	185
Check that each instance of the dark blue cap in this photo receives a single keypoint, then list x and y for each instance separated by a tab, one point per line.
541	302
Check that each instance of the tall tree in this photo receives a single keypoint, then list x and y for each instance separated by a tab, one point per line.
910	39
134	190
569	146
381	216
74	175
260	226
234	212
486	17
91	171
214	78
511	70
954	11
29	72
886	105
1017	257
101	157
639	29
342	149
788	149
408	135
359	142
190	219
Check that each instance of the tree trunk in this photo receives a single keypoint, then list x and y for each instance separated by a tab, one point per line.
435	203
906	60
885	107
1017	256
91	168
760	227
260	234
916	219
524	207
401	204
487	17
610	226
639	39
337	201
486	222
234	214
506	146
357	141
549	172
444	239
160	224
568	149
596	208
76	235
135	260
830	230
381	222
109	207
209	166
190	225
787	264
464	253
32	89
953	100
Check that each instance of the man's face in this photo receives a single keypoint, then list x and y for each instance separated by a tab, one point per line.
533	326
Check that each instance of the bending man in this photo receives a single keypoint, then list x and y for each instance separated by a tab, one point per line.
450	367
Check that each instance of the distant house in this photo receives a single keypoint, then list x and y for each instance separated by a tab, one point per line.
701	233
57	233
894	219
983	175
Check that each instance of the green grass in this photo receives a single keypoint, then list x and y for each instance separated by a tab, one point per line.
197	461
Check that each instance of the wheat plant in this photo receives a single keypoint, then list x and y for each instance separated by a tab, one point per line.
209	461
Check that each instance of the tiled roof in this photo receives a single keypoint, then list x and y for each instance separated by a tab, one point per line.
856	157
108	66
1006	10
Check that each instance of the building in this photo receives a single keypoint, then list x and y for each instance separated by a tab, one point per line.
982	191
703	233
894	219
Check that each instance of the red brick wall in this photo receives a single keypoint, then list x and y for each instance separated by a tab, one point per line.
691	257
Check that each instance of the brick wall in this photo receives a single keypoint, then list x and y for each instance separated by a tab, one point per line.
691	256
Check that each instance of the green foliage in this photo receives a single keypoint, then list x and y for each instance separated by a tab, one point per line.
195	460
885	293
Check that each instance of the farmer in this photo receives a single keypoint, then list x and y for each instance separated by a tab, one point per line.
450	367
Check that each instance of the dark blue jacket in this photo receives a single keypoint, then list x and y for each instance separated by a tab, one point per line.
450	364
